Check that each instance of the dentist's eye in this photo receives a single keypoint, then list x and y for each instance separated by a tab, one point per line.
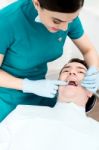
56	22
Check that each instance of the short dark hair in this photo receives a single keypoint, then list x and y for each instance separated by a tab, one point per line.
79	61
64	6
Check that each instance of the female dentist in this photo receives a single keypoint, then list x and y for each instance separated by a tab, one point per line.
32	33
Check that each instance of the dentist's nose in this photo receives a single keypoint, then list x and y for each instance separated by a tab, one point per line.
63	26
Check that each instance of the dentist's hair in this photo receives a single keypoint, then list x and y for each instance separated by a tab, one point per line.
64	6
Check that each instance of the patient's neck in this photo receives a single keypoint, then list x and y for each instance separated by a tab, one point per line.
77	100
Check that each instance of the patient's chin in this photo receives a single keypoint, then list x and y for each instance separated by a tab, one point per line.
70	95
70	91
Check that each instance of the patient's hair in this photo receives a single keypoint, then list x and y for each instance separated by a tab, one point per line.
79	61
64	6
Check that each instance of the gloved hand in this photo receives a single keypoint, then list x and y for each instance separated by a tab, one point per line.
91	80
45	88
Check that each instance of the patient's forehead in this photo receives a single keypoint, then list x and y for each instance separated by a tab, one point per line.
75	65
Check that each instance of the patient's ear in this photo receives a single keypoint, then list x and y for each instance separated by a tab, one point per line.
89	94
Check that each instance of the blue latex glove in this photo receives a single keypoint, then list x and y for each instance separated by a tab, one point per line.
91	80
45	88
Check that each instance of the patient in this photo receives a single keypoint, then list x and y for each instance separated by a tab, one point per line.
63	127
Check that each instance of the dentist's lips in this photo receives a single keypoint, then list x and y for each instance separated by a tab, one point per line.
54	29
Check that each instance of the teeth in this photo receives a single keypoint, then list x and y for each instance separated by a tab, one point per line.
76	83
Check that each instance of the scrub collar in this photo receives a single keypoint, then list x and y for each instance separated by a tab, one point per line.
37	19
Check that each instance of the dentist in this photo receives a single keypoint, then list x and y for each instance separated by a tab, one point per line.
32	34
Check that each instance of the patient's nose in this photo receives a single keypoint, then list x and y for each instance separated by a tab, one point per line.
72	73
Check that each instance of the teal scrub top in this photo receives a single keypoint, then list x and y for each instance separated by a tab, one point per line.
27	47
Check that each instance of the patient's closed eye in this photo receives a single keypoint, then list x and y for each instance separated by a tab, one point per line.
65	70
81	72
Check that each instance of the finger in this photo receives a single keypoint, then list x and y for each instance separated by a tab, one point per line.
88	85
54	92
87	82
91	70
89	88
55	87
59	82
90	78
52	95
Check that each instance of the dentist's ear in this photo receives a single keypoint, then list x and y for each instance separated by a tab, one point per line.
36	4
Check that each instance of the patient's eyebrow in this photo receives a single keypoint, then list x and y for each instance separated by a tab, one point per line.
65	67
78	67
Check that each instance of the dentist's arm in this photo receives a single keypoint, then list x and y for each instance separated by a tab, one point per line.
88	50
45	88
92	59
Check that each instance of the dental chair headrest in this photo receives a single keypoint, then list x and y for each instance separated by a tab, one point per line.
91	103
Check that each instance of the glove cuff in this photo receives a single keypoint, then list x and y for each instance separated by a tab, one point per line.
25	85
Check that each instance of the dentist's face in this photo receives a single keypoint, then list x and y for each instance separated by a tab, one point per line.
73	73
55	21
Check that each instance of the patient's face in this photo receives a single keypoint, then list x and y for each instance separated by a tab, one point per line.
73	73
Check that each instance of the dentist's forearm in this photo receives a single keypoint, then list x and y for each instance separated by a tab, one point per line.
9	81
92	58
89	52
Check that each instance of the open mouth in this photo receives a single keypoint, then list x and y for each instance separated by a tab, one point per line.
72	83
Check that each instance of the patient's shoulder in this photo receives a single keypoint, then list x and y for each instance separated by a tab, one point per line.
30	108
93	126
32	111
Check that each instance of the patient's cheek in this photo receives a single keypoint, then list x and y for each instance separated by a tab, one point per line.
82	92
61	89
